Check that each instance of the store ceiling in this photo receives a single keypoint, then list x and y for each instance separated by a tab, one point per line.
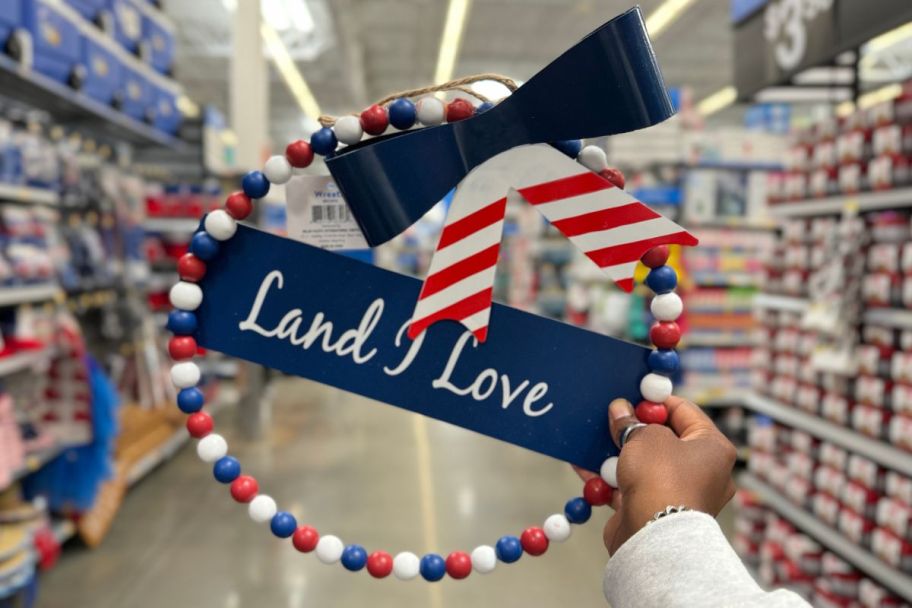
361	50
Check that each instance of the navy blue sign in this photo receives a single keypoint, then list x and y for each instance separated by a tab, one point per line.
608	83
536	383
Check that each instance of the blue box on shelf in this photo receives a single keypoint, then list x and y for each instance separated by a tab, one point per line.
103	63
10	19
134	93
164	112
158	39
128	24
90	9
56	38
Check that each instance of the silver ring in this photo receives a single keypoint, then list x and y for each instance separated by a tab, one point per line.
627	432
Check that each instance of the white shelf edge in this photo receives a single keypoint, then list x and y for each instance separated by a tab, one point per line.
171	224
865	201
789	303
879	451
894	317
833	539
26	194
25	360
11	296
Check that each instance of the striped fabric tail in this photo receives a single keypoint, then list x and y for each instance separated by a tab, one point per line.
611	227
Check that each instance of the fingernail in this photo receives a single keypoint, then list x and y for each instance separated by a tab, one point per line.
620	408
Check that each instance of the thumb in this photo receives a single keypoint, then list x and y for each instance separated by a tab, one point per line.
620	416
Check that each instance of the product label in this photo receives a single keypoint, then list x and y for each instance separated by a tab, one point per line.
319	216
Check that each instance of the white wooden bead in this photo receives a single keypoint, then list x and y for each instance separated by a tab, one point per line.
186	296
406	566
593	158
262	508
348	130
277	169
431	111
666	306
220	225
329	549
609	471
655	388
484	559
557	528
211	447
185	374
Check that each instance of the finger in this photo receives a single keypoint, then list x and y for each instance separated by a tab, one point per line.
620	416
610	531
583	473
687	420
617	500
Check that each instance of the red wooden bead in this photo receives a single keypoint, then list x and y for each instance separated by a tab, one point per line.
299	154
458	565
534	541
597	492
199	424
459	109
181	347
655	257
665	334
374	120
379	564
305	539
648	412
238	205
244	488
191	268
614	176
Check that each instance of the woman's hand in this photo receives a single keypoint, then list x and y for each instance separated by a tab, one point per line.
688	463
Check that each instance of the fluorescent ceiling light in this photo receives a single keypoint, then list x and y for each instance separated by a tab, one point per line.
719	100
187	106
888	39
880	95
451	39
665	15
289	71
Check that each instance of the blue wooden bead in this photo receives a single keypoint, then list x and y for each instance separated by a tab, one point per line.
664	361
662	279
203	246
432	567
324	141
283	524
508	549
570	147
255	184
181	322
190	400
577	510
354	557
484	107
402	113
226	469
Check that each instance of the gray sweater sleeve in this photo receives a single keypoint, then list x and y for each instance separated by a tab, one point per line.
685	560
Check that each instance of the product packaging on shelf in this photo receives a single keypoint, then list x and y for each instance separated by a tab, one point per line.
56	41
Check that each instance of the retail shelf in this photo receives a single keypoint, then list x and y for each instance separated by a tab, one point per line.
789	303
25	194
717	339
71	107
734	165
862	559
725	279
734	223
865	201
37	460
13	296
878	451
162	453
171	224
894	317
713	397
64	530
24	360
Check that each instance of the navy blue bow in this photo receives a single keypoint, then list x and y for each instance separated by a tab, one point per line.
608	83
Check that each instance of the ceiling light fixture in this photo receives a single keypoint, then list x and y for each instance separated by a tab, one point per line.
451	40
885	93
719	100
188	108
663	16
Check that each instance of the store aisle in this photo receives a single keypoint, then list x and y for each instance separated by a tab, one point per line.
353	468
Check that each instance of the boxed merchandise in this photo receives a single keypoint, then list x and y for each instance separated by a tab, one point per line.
901	399
899	486
894	515
826	508
801	464
861	499
163	110
833	456
92	10
871	359
127	23
871	421
836	408
102	74
892	549
56	42
872	595
134	94
865	472
841	575
855	526
900	432
872	390
158	38
10	18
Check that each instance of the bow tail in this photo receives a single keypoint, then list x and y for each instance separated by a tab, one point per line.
460	281
611	227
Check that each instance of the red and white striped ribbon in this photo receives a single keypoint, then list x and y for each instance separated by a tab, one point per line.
611	227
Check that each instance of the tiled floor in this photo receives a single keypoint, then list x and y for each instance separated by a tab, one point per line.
366	472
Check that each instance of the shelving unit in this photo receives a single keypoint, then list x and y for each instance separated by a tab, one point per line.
878	451
894	317
14	296
25	194
862	559
866	201
168	224
24	360
789	303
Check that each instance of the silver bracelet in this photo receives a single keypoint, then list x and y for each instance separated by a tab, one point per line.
669	510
